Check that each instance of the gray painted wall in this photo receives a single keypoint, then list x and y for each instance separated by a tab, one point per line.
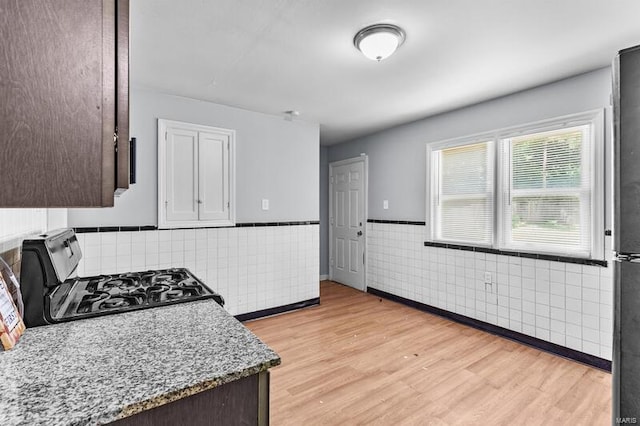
275	159
397	156
324	210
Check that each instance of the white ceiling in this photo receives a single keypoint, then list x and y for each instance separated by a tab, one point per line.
276	55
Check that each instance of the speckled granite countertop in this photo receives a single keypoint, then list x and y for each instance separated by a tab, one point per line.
97	370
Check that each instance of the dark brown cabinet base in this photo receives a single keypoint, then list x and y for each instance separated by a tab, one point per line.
242	402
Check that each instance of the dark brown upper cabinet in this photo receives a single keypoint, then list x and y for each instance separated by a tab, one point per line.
64	102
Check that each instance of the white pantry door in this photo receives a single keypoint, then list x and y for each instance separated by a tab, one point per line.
347	221
213	176
182	175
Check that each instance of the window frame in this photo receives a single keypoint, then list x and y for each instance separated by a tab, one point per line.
431	187
594	118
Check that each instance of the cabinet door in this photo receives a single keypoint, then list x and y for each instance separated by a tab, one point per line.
213	176
57	94
181	198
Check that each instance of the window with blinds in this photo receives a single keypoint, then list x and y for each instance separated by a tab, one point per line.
464	193
547	205
537	188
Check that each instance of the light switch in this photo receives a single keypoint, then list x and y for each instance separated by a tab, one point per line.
265	204
385	204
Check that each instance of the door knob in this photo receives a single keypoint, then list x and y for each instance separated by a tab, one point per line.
359	234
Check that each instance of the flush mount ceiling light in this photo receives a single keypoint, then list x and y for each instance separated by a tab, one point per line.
379	41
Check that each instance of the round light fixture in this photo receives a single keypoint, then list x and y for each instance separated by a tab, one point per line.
379	41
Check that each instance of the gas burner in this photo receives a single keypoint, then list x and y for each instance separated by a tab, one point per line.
191	287
189	283
155	292
95	282
175	294
169	277
147	277
95	297
121	283
90	301
115	302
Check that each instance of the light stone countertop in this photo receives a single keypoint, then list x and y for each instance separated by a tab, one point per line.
98	370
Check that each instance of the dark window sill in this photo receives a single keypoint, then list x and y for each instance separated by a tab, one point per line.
553	258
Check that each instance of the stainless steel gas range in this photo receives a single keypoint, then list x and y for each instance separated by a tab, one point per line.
53	293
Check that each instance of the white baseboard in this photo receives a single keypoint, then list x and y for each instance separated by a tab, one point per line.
324	277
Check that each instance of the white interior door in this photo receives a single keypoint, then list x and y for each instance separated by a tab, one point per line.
213	176
347	222
182	174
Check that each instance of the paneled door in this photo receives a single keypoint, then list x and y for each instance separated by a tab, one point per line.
347	221
182	176
213	176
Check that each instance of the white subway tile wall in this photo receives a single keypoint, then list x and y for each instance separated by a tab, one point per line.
564	303
253	268
15	224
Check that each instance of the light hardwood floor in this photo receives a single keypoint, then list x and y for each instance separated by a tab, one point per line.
358	359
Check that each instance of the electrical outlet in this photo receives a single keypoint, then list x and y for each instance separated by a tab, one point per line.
265	204
385	204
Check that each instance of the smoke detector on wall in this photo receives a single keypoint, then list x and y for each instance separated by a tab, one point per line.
291	114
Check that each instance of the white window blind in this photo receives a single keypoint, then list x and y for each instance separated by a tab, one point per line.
464	193
547	204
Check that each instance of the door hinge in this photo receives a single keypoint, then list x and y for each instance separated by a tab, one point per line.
165	136
228	205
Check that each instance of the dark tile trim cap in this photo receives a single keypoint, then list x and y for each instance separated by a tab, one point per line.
397	222
565	259
543	345
278	310
85	230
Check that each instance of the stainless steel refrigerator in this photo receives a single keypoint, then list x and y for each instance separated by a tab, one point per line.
626	237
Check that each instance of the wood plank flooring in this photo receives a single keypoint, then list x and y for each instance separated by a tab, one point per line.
358	359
